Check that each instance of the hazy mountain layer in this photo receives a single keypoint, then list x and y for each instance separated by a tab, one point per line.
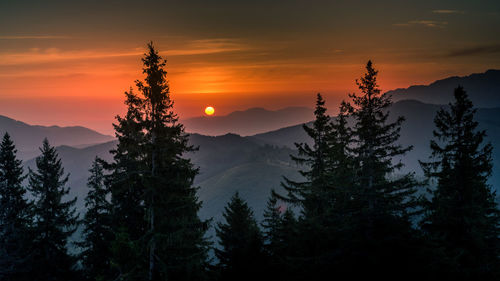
248	122
483	89
29	137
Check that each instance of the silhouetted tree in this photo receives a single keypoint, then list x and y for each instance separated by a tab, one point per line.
271	225
177	247
382	203
241	253
125	181
280	237
309	194
154	181
15	219
462	217
97	233
55	220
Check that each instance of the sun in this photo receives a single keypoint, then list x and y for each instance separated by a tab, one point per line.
209	110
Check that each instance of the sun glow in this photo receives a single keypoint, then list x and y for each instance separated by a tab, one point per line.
209	110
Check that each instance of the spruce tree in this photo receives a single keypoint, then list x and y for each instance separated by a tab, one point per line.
280	237
15	220
127	169
152	182
177	246
241	254
271	225
382	202
97	231
125	182
55	219
462	215
328	173
310	194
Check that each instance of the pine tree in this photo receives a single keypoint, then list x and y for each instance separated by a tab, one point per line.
128	168
15	221
321	197
280	237
97	232
55	220
310	194
271	225
125	182
462	215
382	202
240	255
177	247
153	180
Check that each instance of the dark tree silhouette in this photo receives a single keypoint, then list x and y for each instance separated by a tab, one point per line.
462	217
15	216
153	182
378	234
97	231
55	220
241	253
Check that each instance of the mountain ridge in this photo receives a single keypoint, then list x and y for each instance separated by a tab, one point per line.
483	89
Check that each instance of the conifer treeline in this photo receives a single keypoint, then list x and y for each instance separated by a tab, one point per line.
354	213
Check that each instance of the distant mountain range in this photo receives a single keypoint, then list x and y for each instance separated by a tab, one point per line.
29	137
483	88
253	164
248	122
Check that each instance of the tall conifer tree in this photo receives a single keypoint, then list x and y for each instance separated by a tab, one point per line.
152	177
462	215
382	201
177	247
310	194
97	231
125	182
280	237
241	253
15	219
55	219
328	173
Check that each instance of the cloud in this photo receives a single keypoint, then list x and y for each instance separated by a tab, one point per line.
36	37
474	51
208	46
192	47
447	12
36	55
425	23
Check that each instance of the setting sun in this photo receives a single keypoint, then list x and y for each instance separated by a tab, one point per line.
209	110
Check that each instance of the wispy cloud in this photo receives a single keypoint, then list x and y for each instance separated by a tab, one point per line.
208	46
425	23
445	11
475	51
36	55
36	37
193	47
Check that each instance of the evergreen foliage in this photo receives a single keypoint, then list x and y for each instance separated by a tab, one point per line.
55	219
152	185
462	217
97	231
383	202
15	219
241	254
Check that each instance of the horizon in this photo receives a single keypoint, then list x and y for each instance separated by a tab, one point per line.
75	67
106	129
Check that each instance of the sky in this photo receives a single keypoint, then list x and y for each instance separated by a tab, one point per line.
69	62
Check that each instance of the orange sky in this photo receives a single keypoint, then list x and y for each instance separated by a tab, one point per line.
68	63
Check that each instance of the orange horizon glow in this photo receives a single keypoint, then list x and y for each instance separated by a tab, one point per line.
61	67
